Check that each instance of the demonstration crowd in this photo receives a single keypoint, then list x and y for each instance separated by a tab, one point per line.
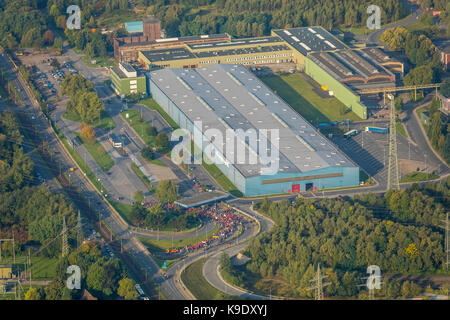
228	223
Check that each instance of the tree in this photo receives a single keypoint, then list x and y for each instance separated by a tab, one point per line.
151	131
445	88
33	294
166	191
87	133
162	141
398	104
96	278
49	38
147	153
406	289
127	289
138	214
419	75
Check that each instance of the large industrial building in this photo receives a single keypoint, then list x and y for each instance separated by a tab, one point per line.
344	71
228	96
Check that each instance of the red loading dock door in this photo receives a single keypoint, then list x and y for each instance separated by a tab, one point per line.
296	188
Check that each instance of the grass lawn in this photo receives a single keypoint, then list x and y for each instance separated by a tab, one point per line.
140	126
100	61
218	175
105	122
99	154
222	179
42	268
142	177
152	105
160	262
401	129
299	94
193	278
123	209
84	167
162	244
418	176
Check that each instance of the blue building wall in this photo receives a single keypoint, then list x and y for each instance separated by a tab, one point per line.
253	186
349	178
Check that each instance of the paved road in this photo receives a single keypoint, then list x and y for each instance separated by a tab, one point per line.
416	133
211	267
416	13
130	243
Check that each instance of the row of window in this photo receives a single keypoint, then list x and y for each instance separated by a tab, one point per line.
260	57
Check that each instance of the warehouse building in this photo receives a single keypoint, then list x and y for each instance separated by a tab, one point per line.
126	80
326	59
228	96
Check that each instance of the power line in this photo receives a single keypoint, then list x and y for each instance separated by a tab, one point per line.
446	227
65	243
393	181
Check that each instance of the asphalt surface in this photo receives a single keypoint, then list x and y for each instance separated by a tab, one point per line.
416	13
211	270
130	243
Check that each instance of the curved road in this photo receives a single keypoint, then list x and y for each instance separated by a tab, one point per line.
211	267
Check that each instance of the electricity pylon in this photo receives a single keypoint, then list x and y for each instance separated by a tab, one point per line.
393	176
79	231
319	285
446	227
65	243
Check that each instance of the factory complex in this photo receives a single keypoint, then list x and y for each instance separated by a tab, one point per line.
226	96
341	70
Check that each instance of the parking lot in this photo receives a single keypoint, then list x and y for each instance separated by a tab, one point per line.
371	151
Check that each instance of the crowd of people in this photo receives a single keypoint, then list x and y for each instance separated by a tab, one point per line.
151	203
227	220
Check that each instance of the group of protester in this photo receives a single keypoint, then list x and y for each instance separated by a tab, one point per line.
227	220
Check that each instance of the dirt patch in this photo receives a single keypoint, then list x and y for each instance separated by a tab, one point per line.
408	166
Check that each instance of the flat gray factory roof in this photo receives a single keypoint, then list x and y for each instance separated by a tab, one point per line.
172	40
235	42
202	199
249	50
310	39
377	55
229	96
168	54
345	64
128	67
121	74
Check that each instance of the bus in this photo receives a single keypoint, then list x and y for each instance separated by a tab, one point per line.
377	130
350	134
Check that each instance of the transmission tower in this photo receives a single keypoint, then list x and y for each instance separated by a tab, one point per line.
79	231
318	284
393	176
65	244
446	227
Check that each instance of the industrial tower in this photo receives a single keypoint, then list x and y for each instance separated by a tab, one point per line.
319	285
65	243
393	182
